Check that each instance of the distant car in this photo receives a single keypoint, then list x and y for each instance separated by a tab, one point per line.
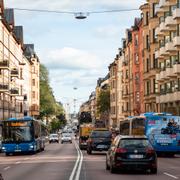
53	138
66	137
99	140
131	152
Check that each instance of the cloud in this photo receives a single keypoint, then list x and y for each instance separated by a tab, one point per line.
71	58
74	5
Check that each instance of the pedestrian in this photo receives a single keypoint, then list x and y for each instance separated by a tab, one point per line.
1	178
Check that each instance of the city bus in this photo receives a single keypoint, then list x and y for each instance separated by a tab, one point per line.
162	130
24	135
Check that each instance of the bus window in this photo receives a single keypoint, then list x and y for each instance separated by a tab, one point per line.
125	127
138	126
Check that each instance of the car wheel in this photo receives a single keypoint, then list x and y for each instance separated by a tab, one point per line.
61	142
7	154
112	169
154	170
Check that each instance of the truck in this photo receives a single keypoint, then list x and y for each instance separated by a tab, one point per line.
84	132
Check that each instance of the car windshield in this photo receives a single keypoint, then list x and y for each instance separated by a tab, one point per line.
53	136
102	134
134	143
66	135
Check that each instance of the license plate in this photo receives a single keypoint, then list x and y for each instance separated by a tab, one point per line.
101	146
17	150
136	156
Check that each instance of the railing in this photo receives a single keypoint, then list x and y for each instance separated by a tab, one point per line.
4	63
4	87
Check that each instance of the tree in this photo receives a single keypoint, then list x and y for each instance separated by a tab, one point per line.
103	101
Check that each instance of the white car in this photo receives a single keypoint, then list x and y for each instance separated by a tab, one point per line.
66	137
53	138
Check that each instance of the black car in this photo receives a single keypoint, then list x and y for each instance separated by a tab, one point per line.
131	152
99	140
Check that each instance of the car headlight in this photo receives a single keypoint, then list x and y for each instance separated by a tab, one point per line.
3	148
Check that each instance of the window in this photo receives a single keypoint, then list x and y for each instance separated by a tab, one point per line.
155	9
147	65
154	36
136	40
155	86
147	42
147	18
136	58
21	73
33	82
33	94
148	87
155	62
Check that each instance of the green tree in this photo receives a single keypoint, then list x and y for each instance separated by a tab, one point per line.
103	101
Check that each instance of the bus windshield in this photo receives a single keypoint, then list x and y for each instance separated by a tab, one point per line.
17	134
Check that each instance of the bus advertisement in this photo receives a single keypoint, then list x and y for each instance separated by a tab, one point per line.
23	135
162	130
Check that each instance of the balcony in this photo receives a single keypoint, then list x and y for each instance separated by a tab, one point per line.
176	41
170	22
4	87
162	3
176	68
170	97
4	64
163	27
14	91
170	47
176	14
14	73
162	51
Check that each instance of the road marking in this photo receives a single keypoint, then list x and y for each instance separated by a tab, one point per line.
6	168
26	158
80	164
18	162
76	164
170	175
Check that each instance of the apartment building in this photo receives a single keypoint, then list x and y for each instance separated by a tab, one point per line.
137	67
15	68
113	81
168	55
150	44
34	97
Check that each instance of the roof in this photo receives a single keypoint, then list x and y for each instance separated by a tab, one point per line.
29	51
18	31
9	16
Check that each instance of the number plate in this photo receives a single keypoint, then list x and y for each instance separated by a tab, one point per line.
136	156
101	146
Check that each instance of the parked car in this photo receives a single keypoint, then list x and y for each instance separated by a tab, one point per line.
99	140
131	152
53	138
66	137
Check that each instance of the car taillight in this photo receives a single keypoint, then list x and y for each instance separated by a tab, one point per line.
150	151
121	150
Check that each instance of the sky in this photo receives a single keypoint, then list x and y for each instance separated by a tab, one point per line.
76	52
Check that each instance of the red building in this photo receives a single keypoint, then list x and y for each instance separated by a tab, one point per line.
137	67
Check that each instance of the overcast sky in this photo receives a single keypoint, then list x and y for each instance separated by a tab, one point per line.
76	52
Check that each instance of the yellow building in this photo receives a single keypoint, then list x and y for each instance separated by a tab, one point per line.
17	71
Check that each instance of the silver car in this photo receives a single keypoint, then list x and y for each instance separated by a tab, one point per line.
66	137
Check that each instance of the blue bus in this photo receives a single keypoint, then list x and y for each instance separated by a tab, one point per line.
24	135
162	130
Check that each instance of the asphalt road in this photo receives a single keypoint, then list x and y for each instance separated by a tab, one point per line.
66	162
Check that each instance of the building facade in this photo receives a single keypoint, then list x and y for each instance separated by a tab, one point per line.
15	69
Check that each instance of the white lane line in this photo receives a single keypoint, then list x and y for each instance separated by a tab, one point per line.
170	175
18	162
26	158
6	168
80	164
76	164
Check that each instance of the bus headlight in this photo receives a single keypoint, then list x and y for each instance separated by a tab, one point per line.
3	148
31	146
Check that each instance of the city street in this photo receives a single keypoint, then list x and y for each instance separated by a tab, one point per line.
67	162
